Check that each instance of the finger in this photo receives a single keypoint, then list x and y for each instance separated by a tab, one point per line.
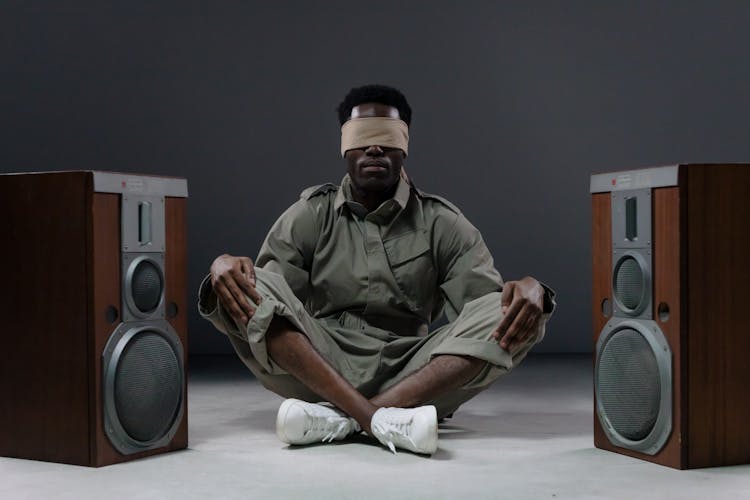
240	279
515	327
507	320
249	270
237	294
509	315
507	293
253	281
253	293
532	329
249	289
248	281
527	331
230	304
245	284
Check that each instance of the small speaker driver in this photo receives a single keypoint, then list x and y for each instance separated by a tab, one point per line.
631	283
144	285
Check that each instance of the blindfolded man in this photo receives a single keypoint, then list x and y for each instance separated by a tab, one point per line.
337	305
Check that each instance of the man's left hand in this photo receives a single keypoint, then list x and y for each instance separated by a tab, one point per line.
522	303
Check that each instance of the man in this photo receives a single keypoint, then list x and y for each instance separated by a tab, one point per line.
337	305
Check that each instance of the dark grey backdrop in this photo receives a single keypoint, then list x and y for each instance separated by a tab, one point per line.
515	105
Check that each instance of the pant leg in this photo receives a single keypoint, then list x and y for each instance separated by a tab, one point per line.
469	335
250	341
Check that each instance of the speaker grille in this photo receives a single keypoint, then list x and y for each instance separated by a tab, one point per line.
628	384
629	283
146	286
148	387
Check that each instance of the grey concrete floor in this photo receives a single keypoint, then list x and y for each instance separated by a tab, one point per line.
529	436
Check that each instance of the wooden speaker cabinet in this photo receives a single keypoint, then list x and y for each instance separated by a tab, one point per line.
93	325
671	289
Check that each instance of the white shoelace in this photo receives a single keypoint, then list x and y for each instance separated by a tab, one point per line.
320	423
393	429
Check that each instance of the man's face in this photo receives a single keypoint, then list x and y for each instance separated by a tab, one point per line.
374	169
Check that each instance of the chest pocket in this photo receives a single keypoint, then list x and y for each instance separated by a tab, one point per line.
410	259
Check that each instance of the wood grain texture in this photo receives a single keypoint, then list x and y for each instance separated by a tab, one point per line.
718	341
668	262
601	236
43	335
175	275
105	292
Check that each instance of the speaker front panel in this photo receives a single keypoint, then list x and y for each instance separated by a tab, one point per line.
134	337
638	393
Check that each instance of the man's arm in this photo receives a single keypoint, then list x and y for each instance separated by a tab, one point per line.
289	247
287	250
469	273
466	267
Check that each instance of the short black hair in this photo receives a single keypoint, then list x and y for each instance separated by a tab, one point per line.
382	94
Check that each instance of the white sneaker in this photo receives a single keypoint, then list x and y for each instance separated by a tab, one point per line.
299	422
413	429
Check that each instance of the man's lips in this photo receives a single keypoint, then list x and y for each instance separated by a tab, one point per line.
373	166
374	171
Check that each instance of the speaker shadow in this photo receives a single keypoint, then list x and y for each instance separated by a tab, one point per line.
536	426
261	421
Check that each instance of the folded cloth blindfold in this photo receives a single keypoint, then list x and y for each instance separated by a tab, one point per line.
374	131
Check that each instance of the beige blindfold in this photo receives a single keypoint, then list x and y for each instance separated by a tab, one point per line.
374	131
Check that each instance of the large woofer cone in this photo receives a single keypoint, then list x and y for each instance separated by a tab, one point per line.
144	286
631	282
143	381
633	381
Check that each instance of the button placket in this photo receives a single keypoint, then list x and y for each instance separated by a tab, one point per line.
376	263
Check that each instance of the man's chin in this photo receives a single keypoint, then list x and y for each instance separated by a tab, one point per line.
374	184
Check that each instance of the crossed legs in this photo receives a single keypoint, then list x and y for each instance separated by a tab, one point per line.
292	351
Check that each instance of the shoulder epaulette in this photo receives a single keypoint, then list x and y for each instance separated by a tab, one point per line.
317	190
440	199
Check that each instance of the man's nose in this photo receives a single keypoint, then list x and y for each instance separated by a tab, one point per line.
374	151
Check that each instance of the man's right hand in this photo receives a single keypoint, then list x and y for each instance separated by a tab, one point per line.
232	278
